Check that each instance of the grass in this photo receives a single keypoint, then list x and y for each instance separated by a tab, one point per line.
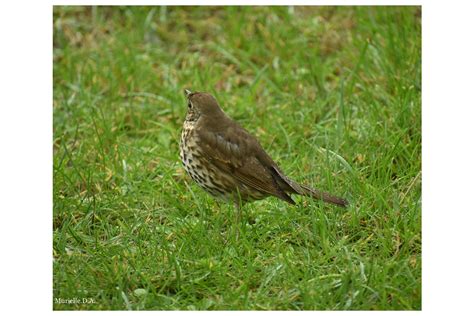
332	93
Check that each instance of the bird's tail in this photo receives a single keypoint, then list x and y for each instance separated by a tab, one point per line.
291	186
319	195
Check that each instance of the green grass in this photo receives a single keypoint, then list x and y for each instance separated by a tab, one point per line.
333	94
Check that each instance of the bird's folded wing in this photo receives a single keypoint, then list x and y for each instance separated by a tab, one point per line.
237	159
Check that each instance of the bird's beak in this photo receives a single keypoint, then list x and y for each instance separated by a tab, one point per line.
187	93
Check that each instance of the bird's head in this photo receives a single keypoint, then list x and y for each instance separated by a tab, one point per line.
201	103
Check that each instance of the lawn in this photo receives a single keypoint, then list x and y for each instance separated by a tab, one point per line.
332	93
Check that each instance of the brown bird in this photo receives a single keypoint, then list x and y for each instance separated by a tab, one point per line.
229	163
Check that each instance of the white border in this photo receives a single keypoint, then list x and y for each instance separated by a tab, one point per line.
26	157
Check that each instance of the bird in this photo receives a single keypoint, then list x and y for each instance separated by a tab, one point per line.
229	163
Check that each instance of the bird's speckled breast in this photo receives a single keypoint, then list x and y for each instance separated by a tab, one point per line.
198	168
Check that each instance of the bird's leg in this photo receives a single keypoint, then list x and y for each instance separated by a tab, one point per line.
237	220
239	204
238	208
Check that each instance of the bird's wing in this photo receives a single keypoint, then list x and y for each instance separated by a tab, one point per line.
236	156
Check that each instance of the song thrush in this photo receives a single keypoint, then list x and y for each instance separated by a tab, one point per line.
228	162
